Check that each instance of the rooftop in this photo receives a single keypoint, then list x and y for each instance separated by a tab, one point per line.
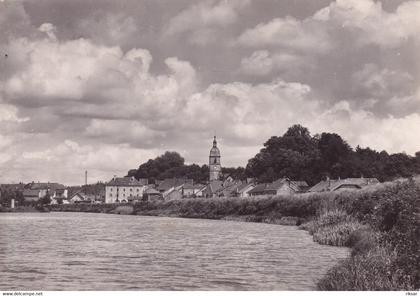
126	181
173	182
48	185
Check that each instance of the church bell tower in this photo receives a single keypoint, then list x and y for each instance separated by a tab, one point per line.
214	162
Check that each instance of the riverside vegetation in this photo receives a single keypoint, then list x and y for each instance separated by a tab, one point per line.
381	224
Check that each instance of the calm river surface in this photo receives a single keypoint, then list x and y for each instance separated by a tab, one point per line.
84	251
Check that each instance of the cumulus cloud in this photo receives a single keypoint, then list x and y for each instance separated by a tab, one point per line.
109	28
394	92
66	161
48	29
9	113
372	23
367	130
118	101
204	20
349	50
289	33
262	62
364	19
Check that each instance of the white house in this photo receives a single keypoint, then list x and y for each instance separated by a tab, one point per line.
124	189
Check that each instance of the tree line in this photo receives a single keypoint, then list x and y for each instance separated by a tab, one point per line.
296	154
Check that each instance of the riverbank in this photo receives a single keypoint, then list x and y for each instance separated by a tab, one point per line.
380	224
24	209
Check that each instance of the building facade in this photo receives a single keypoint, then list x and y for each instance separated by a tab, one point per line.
124	189
214	162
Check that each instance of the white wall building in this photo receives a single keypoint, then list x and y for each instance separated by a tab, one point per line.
124	189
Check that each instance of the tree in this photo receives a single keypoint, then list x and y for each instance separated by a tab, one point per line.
46	200
236	173
335	156
170	165
294	155
400	165
333	148
154	167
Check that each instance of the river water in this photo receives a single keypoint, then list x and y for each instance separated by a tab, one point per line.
86	251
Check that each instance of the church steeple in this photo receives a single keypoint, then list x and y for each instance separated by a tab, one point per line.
214	162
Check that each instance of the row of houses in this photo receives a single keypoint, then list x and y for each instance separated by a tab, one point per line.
128	189
58	193
35	191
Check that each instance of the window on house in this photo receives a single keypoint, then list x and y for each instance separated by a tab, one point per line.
215	160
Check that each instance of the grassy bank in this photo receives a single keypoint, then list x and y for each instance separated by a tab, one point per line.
380	224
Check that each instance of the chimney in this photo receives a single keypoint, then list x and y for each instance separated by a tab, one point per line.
85	177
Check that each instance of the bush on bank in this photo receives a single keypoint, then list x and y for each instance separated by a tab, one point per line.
383	228
374	270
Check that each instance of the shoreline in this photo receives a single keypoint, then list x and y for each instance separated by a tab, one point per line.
133	209
25	209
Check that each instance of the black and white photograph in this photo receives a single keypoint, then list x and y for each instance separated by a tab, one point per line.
209	145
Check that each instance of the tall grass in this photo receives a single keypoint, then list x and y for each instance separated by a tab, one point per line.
382	226
374	270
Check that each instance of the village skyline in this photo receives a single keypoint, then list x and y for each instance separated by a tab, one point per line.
297	154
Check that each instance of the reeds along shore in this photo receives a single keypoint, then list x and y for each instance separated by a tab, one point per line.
381	225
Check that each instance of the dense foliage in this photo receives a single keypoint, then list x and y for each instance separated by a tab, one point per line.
172	165
301	156
9	192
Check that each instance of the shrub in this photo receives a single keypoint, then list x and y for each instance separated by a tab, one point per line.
336	234
362	240
328	218
373	271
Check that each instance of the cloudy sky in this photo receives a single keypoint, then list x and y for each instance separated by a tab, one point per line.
104	85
